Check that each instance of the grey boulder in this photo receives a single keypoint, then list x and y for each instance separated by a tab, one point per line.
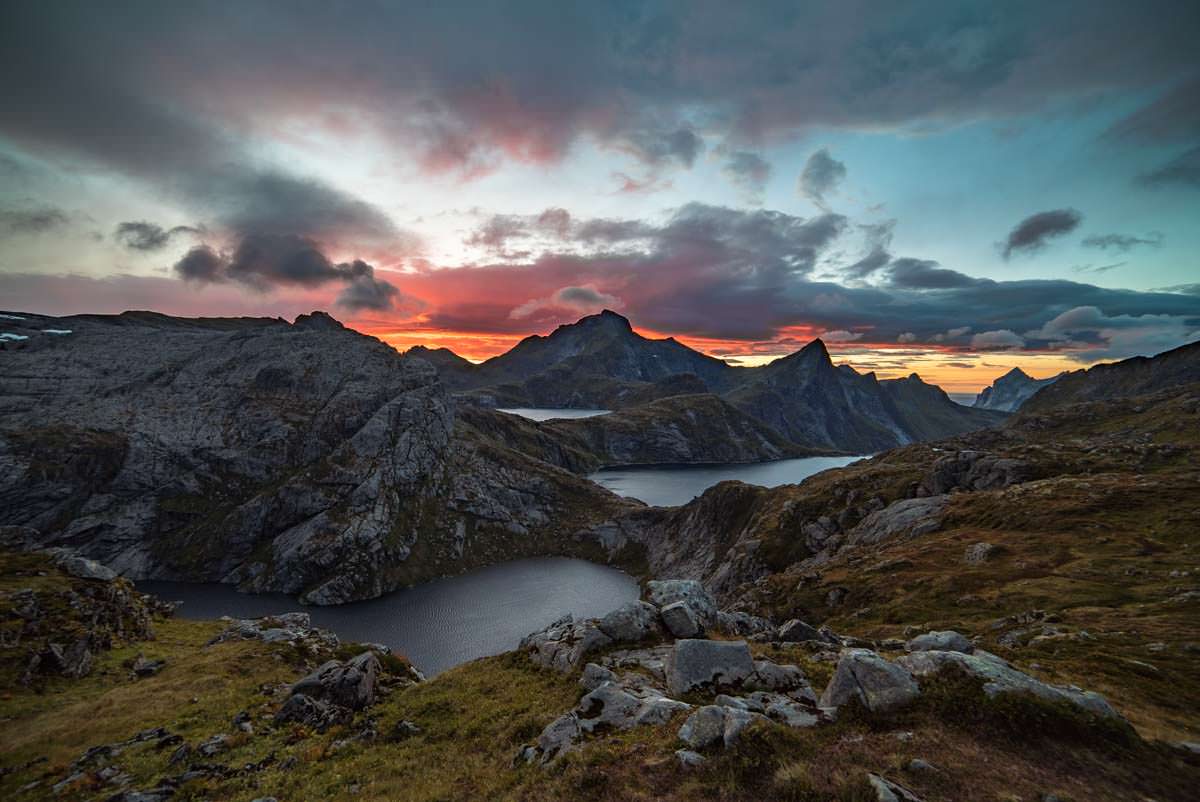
944	641
681	621
631	622
863	675
1000	678
704	727
708	664
350	684
668	591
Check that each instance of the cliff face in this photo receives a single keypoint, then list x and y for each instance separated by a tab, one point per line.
300	458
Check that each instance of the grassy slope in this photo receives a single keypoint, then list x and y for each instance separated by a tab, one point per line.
474	718
1108	541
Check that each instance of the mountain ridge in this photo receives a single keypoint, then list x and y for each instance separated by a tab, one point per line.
601	362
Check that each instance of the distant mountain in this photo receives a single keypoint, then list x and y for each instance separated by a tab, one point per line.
601	362
1129	377
1010	391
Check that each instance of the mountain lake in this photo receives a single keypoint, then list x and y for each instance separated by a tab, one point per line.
439	624
541	414
670	485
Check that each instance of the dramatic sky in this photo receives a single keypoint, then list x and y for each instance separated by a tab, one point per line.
953	188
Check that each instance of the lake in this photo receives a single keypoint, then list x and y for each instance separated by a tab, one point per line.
666	486
442	623
540	414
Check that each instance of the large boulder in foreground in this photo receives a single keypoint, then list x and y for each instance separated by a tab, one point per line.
878	685
696	664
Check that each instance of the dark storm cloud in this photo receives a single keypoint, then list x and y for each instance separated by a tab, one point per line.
822	173
1184	170
32	220
267	261
923	274
202	265
102	89
749	172
141	235
367	292
525	82
1122	243
1034	232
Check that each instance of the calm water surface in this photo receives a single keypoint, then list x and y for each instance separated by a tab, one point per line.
551	414
665	486
442	623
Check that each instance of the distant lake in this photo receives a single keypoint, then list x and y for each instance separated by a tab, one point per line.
668	486
442	623
539	414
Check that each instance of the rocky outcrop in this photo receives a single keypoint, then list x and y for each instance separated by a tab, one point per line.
625	686
303	458
333	693
60	628
564	644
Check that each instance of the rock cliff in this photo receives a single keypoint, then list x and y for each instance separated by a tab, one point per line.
303	458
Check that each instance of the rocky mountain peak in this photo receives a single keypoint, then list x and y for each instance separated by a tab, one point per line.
318	321
1015	373
607	319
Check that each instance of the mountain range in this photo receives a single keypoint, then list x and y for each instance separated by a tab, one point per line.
601	362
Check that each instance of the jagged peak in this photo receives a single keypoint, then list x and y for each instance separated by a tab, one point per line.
817	345
1016	373
318	320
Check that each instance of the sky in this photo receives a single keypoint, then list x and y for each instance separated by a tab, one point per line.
951	188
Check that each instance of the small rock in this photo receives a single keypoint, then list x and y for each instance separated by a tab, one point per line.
680	621
944	641
595	675
689	759
979	553
214	745
704	728
736	721
403	730
796	631
888	791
